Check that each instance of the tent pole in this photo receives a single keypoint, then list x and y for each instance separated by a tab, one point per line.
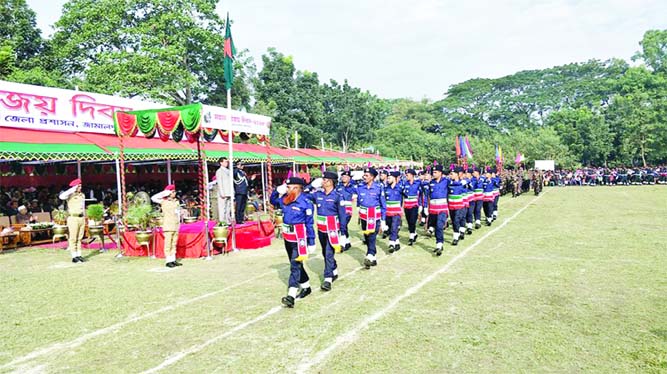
78	169
263	187
169	171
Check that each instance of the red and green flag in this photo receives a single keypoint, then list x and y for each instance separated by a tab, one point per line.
229	52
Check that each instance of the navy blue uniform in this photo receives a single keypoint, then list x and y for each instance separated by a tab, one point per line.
328	205
411	193
438	207
300	211
394	197
372	196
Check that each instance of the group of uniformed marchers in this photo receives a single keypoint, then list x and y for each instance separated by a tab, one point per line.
432	198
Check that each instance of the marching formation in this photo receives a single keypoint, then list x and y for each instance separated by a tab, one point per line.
431	198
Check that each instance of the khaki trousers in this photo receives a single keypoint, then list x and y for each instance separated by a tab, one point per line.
76	227
170	240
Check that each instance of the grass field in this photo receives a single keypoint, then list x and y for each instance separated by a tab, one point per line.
572	281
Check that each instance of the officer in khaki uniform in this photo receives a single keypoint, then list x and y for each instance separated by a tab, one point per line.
170	222
76	224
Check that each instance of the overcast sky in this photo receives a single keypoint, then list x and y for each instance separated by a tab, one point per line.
419	48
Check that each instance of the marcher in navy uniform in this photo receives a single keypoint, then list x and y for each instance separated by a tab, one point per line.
424	182
478	190
347	188
372	211
470	199
438	205
497	186
298	235
411	192
394	196
384	174
331	218
457	205
487	186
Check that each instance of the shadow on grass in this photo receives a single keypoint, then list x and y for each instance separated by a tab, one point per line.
283	271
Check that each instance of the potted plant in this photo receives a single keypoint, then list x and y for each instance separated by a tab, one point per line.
142	217
220	232
95	213
60	219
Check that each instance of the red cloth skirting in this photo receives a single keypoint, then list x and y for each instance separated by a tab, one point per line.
192	242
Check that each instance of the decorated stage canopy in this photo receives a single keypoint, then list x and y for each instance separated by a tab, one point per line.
26	145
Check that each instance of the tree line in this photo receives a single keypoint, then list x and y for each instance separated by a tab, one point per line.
587	113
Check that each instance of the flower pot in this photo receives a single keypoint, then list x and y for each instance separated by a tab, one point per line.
220	233
278	217
144	237
60	230
250	209
190	219
95	230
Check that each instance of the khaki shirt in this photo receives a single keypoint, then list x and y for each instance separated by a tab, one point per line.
76	203
170	219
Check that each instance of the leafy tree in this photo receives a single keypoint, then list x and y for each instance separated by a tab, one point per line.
18	30
654	50
169	50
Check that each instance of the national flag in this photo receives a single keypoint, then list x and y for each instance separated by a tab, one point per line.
519	158
229	53
468	147
457	145
497	153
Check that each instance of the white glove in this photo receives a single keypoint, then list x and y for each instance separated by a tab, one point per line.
317	183
464	181
312	249
384	226
282	189
426	211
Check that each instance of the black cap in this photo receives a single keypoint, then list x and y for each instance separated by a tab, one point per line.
330	175
371	171
395	174
471	169
346	172
384	171
295	180
410	171
438	168
458	169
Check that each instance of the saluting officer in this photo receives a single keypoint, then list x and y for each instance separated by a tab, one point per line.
76	224
298	235
171	209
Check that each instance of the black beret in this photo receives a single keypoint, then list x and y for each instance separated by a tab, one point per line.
384	171
438	168
395	174
330	175
295	180
410	171
458	169
371	171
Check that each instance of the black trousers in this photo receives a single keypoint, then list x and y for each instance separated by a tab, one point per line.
241	202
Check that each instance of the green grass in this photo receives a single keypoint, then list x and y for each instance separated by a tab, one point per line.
577	282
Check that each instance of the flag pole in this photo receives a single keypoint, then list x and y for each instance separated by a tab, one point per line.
230	141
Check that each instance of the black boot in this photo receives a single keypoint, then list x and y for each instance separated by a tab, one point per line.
462	236
438	251
288	301
170	264
455	242
478	225
326	286
391	248
397	247
468	231
347	247
334	278
367	263
75	259
304	292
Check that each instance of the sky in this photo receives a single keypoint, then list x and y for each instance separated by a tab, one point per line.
417	49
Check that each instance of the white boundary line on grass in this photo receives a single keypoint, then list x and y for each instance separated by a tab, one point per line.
351	335
116	326
194	349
